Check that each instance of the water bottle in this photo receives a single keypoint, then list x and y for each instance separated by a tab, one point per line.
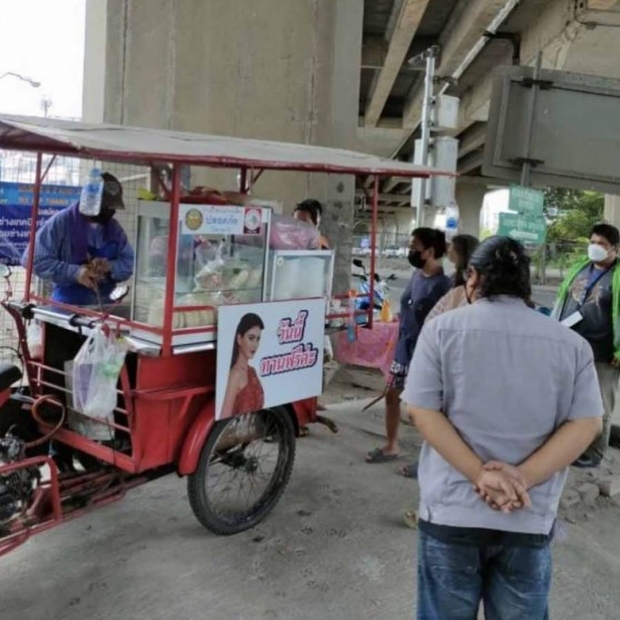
452	221
92	192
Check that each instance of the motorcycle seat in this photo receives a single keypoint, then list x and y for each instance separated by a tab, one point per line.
9	375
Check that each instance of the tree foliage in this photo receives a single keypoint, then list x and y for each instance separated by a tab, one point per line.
572	213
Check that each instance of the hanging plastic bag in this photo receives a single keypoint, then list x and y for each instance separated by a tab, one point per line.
96	369
34	337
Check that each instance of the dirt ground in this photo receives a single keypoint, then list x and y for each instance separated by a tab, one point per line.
335	548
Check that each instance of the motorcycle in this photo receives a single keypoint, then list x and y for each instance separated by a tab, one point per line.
381	289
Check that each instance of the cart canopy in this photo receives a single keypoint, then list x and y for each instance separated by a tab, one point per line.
146	146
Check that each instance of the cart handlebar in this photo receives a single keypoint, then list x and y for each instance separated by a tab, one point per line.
29	311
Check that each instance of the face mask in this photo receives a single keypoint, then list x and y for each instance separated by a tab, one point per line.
105	215
596	253
416	260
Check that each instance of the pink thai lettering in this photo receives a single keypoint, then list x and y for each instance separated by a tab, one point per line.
301	357
290	331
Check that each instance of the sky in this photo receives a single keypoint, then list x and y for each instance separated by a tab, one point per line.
44	41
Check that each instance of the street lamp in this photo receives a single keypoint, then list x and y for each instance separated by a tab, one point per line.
21	77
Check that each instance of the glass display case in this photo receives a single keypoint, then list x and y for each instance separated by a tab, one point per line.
221	259
298	274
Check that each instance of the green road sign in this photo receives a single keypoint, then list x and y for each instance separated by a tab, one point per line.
526	201
525	229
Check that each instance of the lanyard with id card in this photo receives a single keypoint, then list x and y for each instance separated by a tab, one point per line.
576	317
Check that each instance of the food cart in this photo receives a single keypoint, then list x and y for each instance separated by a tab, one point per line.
206	262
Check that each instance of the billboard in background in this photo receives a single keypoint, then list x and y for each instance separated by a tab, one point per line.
16	214
268	354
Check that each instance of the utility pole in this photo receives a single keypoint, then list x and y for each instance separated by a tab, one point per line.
46	104
430	56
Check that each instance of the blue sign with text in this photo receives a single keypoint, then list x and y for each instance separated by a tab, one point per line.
16	214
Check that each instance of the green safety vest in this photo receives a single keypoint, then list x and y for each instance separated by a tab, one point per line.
564	290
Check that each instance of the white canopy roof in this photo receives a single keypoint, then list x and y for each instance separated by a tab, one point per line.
143	145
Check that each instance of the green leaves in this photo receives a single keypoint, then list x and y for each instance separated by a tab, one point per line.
572	213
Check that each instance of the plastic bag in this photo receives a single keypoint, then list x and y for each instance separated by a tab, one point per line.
96	369
287	233
34	337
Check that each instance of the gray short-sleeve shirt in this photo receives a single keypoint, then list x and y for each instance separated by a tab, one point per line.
506	377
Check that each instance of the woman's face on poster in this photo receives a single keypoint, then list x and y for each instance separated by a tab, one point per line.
249	342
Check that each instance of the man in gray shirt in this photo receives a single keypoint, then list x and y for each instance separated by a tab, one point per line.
505	399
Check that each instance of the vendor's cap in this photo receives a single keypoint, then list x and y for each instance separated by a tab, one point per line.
112	197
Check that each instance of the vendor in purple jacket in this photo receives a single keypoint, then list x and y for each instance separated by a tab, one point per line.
80	254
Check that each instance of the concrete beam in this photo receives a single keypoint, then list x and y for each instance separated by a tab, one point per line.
458	38
473	140
374	52
409	19
380	141
394	182
601	5
553	32
400	198
475	102
470	162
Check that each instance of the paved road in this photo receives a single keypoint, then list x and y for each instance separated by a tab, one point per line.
545	296
334	549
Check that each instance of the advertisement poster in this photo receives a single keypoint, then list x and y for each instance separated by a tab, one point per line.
268	354
16	212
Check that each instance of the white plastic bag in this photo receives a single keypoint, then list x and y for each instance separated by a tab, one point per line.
95	373
34	337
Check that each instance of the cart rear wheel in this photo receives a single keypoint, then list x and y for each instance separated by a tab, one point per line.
244	467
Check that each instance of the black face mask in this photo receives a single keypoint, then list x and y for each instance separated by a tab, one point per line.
104	217
416	260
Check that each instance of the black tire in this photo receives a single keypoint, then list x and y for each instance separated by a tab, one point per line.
16	418
271	429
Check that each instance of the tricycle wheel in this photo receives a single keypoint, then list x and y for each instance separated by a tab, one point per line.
244	467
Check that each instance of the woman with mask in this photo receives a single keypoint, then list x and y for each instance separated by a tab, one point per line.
427	286
460	251
311	212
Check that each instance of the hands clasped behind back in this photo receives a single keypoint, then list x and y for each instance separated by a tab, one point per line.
503	487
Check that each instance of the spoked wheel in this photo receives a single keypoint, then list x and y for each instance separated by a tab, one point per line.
244	467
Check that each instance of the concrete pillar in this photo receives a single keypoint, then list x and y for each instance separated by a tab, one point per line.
286	71
469	199
94	62
405	221
612	210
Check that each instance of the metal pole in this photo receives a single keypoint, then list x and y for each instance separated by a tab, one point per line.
429	80
36	199
527	164
173	235
373	248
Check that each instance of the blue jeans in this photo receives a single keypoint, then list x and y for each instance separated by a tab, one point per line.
512	582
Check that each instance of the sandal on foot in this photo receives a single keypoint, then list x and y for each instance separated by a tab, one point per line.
411	519
410	471
379	456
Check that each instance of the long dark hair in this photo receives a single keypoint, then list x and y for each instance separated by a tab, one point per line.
248	321
504	268
464	246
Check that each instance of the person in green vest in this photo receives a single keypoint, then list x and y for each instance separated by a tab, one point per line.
589	303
